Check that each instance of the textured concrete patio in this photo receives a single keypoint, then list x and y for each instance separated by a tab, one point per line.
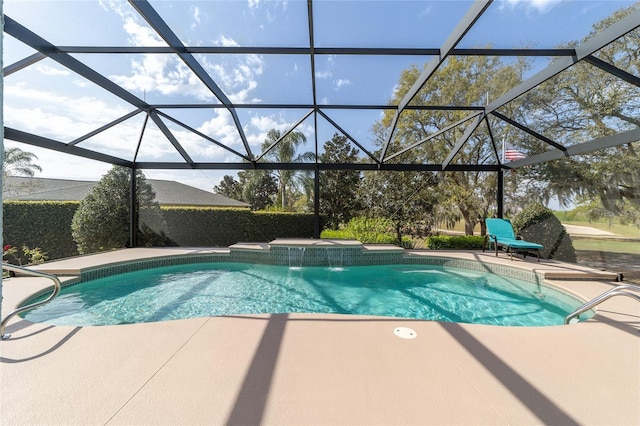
316	369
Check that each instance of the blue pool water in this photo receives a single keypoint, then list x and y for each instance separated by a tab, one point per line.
405	291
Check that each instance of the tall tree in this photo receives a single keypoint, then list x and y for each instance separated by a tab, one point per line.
19	163
588	103
285	151
259	188
229	187
102	219
460	81
339	190
405	198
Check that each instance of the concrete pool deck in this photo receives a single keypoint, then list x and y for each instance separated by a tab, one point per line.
312	369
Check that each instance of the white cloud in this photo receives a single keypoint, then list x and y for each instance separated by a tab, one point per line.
341	82
323	74
425	11
139	34
56	165
540	6
66	118
49	70
195	10
163	74
264	123
222	128
226	42
269	8
167	75
55	115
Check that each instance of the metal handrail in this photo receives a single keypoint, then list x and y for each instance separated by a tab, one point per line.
616	291
26	271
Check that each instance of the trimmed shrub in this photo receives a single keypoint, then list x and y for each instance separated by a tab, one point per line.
367	231
538	224
456	242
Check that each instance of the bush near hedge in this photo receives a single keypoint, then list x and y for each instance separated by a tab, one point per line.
538	224
455	242
367	231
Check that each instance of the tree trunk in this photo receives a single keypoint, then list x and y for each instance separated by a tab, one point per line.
399	233
284	198
469	223
483	228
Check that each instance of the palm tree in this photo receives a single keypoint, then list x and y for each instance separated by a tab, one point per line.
19	163
285	152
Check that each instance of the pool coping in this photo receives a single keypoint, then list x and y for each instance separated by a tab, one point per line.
319	369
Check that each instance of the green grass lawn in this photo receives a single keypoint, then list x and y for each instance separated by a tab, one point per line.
610	246
629	231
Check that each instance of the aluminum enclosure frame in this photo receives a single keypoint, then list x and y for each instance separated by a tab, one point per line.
566	58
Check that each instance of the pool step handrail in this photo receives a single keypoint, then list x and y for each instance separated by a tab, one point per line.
57	285
620	290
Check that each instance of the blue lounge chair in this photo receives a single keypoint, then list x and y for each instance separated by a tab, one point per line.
500	233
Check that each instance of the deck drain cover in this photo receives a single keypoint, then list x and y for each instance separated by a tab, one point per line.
405	333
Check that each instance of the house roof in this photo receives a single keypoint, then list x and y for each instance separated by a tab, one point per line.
168	193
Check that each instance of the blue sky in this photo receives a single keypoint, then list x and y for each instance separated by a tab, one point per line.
49	100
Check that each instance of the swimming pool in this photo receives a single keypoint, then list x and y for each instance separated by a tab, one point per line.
426	292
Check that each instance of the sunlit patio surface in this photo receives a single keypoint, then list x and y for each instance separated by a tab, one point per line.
311	369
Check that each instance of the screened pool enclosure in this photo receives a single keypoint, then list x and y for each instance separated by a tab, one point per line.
192	88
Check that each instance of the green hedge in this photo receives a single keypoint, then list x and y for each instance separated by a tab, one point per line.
267	226
215	227
462	242
204	227
46	225
212	227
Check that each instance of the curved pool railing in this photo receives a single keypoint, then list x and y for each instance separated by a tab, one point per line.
619	290
57	285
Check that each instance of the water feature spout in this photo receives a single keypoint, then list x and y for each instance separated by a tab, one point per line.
335	257
296	257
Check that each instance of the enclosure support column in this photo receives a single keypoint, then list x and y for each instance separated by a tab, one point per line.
316	203
133	211
1	139
500	194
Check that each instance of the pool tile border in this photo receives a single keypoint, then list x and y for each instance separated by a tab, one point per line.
318	257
